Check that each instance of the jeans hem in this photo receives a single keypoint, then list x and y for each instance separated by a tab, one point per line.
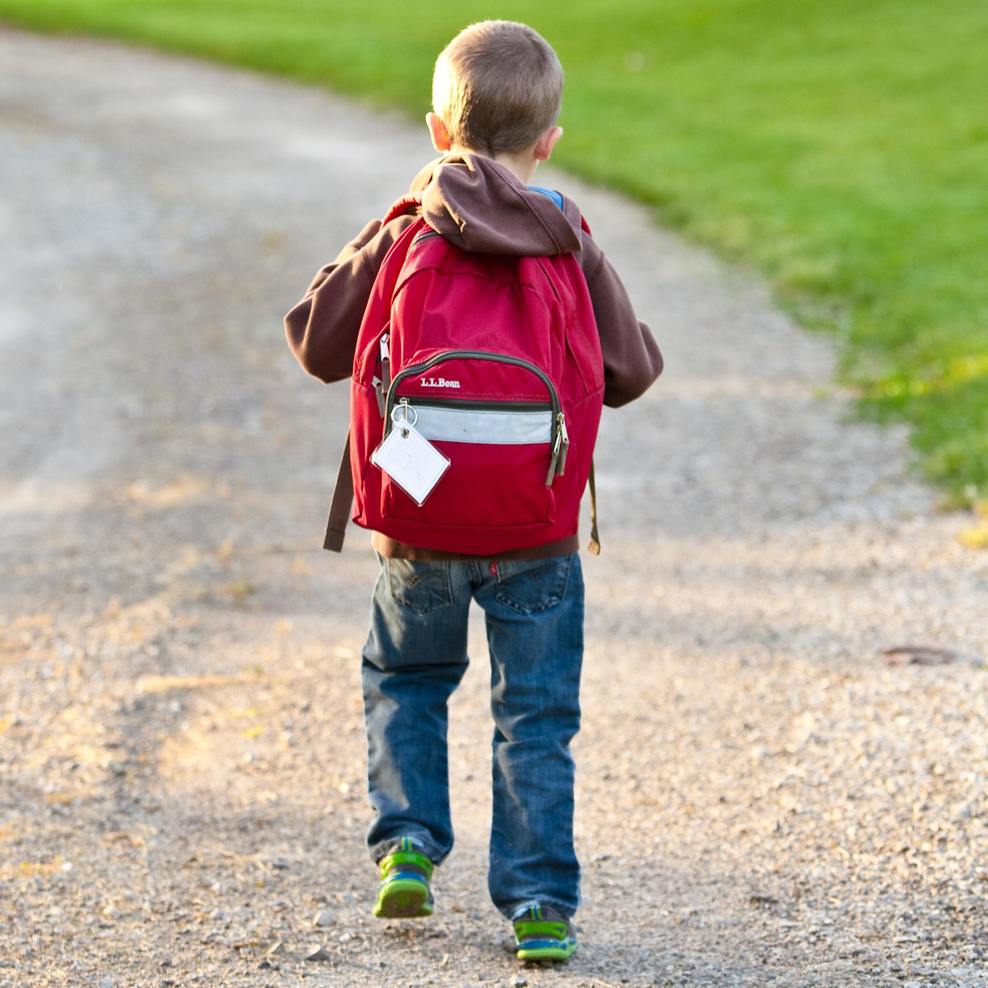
383	848
512	913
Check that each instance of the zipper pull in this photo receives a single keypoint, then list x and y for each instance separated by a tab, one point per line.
379	394
556	446
560	447
385	364
561	419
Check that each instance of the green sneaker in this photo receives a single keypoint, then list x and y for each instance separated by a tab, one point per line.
543	934
404	891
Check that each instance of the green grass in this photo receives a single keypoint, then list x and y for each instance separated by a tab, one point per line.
839	147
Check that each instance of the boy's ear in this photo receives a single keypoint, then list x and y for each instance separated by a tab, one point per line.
545	144
438	132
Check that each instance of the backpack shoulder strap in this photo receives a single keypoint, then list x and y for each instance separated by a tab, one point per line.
339	511
411	203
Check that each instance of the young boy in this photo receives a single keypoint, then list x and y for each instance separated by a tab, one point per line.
497	91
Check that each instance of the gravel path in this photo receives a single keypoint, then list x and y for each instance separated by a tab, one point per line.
764	799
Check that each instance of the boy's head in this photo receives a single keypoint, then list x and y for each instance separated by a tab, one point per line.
496	90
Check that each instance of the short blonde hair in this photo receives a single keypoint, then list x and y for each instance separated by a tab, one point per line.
497	86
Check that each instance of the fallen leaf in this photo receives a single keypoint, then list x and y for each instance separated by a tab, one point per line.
32	869
238	591
123	837
975	537
918	655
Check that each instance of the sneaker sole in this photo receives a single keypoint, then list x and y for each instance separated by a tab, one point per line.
563	952
403	900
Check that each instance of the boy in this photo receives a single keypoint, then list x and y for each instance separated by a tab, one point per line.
497	90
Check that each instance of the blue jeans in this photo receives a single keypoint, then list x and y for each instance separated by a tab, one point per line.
415	657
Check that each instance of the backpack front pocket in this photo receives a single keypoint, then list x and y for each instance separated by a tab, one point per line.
498	421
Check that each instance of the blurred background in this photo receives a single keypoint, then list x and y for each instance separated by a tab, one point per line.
840	147
783	703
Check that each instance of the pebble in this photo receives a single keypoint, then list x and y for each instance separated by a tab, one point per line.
324	918
317	953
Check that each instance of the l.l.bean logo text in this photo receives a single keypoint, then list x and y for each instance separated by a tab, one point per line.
438	382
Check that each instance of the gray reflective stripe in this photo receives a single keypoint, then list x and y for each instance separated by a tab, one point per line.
488	427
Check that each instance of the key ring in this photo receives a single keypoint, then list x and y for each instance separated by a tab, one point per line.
401	420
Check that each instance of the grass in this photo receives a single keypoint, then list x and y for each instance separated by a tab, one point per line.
840	147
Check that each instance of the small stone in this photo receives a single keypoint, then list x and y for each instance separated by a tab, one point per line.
317	953
280	864
518	982
276	948
762	899
323	918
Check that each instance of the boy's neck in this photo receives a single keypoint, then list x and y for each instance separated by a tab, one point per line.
522	166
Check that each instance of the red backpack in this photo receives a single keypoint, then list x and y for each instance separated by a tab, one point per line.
495	360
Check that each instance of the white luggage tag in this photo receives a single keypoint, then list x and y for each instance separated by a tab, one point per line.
408	458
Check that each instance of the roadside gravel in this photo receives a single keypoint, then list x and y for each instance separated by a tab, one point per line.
765	797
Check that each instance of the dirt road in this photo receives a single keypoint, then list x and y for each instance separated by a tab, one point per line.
764	798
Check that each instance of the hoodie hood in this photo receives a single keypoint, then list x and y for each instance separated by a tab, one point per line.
480	206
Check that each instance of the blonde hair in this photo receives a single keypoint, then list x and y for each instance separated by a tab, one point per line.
497	87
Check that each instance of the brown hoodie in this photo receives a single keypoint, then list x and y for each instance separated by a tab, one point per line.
479	206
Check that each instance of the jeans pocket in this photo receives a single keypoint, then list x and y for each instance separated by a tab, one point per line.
419	586
532	585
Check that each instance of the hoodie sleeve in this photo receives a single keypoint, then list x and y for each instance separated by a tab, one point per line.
322	328
632	360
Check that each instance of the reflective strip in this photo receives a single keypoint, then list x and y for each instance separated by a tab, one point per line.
486	427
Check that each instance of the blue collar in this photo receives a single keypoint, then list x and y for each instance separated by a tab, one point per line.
552	194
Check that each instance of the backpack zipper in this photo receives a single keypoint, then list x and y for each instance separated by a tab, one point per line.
484	406
425	236
382	383
559	437
564	446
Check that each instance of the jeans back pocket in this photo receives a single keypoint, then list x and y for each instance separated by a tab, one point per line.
532	585
420	586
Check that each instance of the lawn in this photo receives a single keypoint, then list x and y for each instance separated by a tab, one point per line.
839	147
